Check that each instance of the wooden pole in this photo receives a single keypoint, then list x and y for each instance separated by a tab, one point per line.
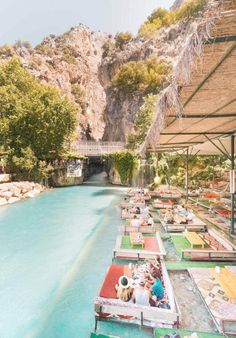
232	186
187	178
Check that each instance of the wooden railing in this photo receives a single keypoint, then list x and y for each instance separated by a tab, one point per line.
91	148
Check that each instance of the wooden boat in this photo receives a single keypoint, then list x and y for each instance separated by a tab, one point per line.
130	204
215	248
152	248
139	192
108	307
166	193
129	215
195	225
163	204
144	229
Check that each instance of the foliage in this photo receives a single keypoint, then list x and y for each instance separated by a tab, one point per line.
107	48
33	116
69	54
172	168
143	121
190	9
79	95
6	51
159	18
122	39
27	166
164	18
125	163
45	50
146	76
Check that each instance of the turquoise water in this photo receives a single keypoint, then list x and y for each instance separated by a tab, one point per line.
54	252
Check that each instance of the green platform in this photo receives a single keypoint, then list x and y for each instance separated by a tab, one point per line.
94	335
162	332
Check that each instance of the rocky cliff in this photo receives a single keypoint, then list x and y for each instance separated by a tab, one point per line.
82	65
71	63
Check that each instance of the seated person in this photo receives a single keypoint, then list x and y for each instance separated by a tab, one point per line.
124	290
190	215
150	220
169	218
141	296
145	210
135	222
157	289
138	211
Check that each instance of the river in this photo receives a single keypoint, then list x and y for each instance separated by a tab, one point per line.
54	252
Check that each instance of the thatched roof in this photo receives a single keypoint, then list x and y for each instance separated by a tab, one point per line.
200	102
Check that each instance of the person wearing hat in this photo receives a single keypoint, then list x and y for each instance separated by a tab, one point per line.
141	295
124	290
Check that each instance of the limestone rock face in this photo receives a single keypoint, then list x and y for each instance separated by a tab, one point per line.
70	62
79	65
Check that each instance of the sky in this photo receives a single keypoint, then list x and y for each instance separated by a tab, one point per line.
32	20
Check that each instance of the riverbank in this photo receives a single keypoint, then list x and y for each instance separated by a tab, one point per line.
13	192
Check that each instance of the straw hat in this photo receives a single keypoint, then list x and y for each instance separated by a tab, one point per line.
124	282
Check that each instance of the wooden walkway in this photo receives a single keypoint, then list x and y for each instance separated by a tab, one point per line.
91	148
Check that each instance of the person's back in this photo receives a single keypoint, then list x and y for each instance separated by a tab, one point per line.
157	289
124	294
135	222
141	295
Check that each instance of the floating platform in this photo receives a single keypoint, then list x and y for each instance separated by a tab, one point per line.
195	225
151	247
108	307
159	333
214	248
144	229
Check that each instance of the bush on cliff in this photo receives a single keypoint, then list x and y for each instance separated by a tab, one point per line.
145	76
32	115
163	18
122	39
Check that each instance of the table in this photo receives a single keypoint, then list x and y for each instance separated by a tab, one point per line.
136	238
194	239
227	280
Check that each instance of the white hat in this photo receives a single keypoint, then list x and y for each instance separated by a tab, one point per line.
124	282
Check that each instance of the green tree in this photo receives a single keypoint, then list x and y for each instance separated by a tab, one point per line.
145	76
32	115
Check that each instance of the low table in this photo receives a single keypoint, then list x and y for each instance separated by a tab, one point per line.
227	280
136	238
194	239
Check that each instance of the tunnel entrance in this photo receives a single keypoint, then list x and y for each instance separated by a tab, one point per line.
94	165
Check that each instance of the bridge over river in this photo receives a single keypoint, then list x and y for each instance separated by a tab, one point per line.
91	148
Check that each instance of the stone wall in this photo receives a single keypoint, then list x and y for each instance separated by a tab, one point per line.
16	191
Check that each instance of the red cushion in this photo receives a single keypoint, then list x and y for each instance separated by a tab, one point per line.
150	244
108	287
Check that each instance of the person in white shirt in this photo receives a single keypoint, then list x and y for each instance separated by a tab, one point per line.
141	295
135	222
